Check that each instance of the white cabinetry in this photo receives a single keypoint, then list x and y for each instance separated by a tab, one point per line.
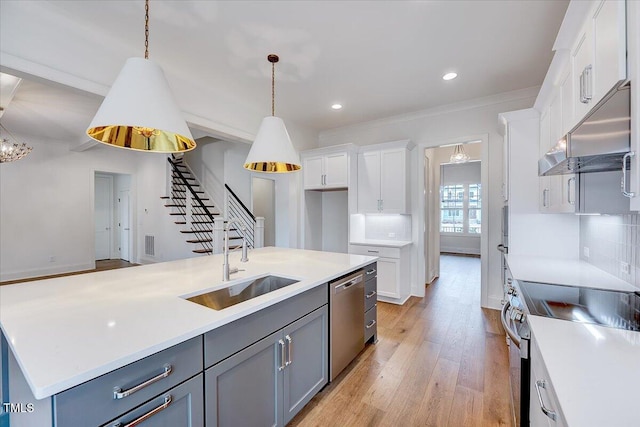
394	270
383	185
329	171
599	56
544	409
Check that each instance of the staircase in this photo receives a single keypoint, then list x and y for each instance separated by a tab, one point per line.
203	222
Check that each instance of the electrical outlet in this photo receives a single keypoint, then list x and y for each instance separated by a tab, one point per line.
392	234
52	259
624	267
585	252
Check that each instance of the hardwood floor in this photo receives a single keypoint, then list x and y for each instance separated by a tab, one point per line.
440	361
107	264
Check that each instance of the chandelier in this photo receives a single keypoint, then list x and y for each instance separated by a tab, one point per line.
459	156
11	151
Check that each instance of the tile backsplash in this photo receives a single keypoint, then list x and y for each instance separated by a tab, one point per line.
387	227
612	240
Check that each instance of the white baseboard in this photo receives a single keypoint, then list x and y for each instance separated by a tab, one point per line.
398	301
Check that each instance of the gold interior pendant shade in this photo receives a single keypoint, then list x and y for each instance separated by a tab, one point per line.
272	150
140	112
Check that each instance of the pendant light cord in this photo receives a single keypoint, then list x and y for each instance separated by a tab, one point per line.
273	89
146	29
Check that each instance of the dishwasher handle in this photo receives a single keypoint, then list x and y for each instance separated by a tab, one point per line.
346	284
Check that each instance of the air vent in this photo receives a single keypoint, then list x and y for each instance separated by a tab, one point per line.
149	245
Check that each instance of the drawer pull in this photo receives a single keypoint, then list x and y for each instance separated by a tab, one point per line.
372	252
548	412
151	413
289	343
119	394
283	357
370	294
370	272
370	325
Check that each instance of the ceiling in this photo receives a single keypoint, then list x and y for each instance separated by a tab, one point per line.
377	58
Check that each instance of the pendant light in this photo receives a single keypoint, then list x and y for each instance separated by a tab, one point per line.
459	156
10	148
272	150
140	112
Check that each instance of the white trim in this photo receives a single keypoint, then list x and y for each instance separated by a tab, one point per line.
499	98
419	214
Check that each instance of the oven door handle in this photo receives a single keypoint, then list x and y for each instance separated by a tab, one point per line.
503	318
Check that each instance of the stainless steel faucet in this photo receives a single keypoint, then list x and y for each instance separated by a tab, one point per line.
226	270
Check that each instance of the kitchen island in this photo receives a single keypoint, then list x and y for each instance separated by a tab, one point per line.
66	331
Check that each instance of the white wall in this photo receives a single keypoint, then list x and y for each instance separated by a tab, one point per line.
46	208
430	128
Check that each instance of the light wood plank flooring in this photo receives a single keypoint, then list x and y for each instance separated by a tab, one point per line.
440	361
107	264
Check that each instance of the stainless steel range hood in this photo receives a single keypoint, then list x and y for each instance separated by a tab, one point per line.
597	144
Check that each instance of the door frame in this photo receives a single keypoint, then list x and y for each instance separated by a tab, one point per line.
275	203
419	213
128	215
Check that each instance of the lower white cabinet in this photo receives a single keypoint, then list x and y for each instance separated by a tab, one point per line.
394	271
270	381
544	410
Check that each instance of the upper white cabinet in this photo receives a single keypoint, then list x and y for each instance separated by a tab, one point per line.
598	56
383	185
325	171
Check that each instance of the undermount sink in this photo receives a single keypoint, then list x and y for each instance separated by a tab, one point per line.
240	292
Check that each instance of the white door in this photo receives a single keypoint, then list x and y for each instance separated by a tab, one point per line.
103	207
264	205
369	182
125	230
336	170
313	173
393	181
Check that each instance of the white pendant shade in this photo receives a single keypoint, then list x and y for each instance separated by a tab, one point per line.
272	150
140	112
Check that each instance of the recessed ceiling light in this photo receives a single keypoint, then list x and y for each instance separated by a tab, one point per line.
336	106
449	76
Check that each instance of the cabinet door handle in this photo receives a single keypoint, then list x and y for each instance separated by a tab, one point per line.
370	325
371	294
623	183
167	401
119	394
586	85
283	361
571	202
582	87
289	344
381	205
548	412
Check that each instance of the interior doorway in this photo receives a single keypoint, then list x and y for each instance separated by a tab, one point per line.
263	194
453	206
113	216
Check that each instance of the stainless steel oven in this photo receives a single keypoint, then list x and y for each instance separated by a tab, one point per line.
514	322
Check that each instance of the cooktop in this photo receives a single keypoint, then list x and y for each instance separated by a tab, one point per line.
615	309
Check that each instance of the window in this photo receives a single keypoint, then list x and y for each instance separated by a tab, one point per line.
461	208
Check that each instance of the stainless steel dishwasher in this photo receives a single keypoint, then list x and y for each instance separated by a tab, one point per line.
347	321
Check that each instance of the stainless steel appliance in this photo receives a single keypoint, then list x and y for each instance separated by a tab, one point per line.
515	324
346	330
599	143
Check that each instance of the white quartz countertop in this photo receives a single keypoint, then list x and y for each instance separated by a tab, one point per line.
383	243
594	370
69	330
573	272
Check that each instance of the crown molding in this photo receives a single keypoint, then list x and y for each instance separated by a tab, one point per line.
499	98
